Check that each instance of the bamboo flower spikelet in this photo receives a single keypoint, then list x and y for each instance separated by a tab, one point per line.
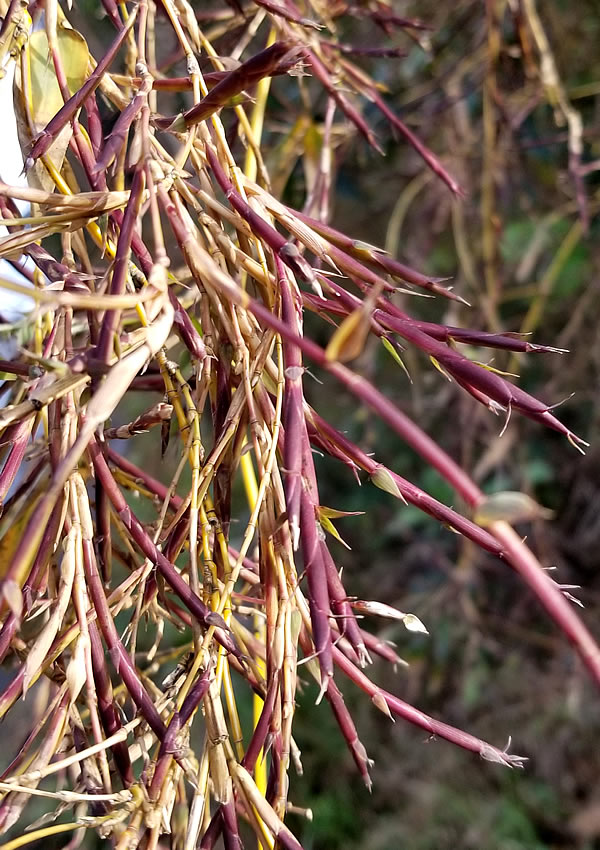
167	267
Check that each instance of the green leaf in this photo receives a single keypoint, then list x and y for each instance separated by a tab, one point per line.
46	98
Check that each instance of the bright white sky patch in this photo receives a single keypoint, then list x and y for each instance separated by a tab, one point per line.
12	305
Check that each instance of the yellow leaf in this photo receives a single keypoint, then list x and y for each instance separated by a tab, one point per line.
440	368
328	526
391	350
286	154
332	513
493	369
311	160
13	524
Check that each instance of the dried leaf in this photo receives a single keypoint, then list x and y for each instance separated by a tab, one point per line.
11	592
40	647
349	339
380	609
76	673
380	703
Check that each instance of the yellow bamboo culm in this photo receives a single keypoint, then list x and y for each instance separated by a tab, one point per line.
40	835
248	473
260	769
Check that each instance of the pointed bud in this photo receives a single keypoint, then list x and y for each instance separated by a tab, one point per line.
382	478
380	703
509	506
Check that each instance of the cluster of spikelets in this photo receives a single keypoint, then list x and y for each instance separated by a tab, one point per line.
190	285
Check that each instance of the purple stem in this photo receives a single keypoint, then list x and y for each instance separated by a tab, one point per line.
169	572
282	248
109	713
121	265
118	654
293	414
322	74
18	435
40	563
434	727
318	596
348	729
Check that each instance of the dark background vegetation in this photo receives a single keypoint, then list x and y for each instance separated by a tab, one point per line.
492	663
